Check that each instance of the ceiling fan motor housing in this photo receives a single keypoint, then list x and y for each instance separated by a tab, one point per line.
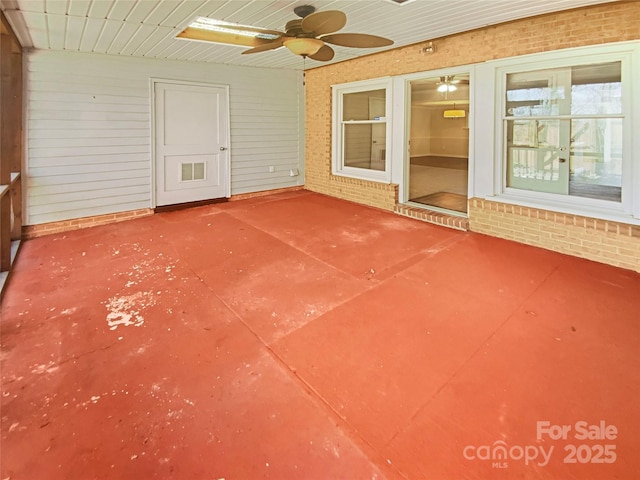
304	10
293	28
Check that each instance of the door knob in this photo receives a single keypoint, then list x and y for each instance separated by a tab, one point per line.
222	149
562	160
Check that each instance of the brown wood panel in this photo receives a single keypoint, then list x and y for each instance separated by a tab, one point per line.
16	109
5	232
16	209
11	147
5	110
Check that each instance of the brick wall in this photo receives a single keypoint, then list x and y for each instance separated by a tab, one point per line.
607	23
33	231
612	22
604	241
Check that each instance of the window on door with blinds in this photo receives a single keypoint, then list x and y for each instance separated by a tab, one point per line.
564	129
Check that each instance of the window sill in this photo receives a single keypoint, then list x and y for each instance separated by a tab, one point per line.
369	178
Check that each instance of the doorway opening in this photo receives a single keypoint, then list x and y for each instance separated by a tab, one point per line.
439	142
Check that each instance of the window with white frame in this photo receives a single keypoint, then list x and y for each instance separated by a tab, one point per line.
566	131
361	130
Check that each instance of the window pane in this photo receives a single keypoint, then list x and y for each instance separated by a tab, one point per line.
198	171
365	146
543	92
368	105
533	133
581	90
596	89
187	172
573	155
596	159
537	155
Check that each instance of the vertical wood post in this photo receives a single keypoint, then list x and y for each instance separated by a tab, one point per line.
11	116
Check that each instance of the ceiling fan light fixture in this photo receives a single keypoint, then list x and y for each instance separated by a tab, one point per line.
303	46
447	87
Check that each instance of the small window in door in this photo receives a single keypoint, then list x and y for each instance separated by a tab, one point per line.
198	171
192	171
563	131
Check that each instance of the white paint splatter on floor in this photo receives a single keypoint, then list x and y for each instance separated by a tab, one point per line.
359	237
126	310
45	368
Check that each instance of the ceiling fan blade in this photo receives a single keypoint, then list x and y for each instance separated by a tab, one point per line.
357	40
221	37
277	43
325	54
242	28
452	80
320	23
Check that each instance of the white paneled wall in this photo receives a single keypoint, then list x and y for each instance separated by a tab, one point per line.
88	149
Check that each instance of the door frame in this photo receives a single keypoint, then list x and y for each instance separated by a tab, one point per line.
401	115
152	85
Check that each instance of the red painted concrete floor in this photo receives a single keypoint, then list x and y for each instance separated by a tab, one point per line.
298	336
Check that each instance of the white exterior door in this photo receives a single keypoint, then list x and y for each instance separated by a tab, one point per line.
191	143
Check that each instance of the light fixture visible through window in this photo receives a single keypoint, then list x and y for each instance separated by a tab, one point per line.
455	113
447	87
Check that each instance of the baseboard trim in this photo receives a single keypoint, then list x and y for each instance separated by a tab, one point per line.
244	196
42	229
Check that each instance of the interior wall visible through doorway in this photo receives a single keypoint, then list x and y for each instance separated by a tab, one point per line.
439	142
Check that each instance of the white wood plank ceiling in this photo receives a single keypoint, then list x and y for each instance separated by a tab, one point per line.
147	28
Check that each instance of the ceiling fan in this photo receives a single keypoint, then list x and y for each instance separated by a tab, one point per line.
307	36
448	83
